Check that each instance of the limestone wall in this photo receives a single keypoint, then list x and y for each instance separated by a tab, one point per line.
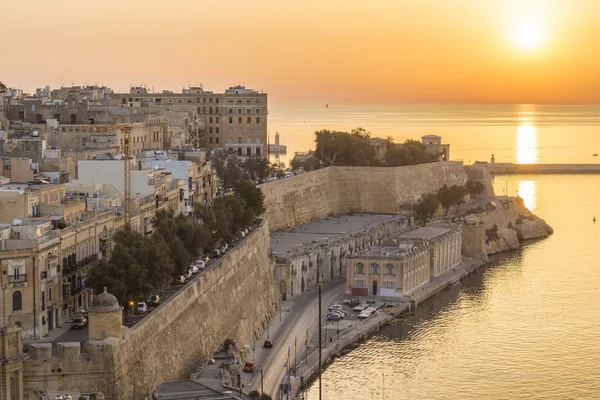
229	301
302	198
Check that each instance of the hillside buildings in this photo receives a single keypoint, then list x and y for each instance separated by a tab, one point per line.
403	263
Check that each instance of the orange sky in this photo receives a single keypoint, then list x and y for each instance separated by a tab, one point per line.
409	51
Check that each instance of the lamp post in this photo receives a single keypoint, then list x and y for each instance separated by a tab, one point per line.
320	295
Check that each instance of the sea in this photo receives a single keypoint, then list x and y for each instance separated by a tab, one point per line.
528	325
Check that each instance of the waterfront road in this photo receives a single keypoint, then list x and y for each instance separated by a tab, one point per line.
300	319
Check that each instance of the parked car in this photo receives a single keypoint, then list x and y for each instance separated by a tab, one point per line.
268	344
194	269
249	366
180	280
200	264
216	253
153	300
333	317
142	308
338	312
335	307
82	313
79	323
189	274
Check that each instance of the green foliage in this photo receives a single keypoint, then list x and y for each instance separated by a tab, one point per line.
492	234
255	394
135	266
345	148
265	396
252	195
425	208
411	152
226	167
474	187
228	343
451	196
257	167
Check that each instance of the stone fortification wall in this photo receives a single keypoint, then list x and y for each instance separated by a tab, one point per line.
481	174
314	195
232	300
513	223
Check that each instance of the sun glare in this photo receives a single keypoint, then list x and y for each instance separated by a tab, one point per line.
528	35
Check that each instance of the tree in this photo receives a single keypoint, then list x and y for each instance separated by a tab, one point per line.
425	208
226	167
451	196
252	196
389	142
474	187
257	167
398	156
343	148
255	394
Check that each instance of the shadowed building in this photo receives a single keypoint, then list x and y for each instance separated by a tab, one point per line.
433	144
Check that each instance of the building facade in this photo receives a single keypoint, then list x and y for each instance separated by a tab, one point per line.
401	265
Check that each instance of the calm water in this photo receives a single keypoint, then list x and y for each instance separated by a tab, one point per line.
527	327
514	133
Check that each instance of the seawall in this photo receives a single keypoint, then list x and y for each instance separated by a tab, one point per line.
233	300
306	197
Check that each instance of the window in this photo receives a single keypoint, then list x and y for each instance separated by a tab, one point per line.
388	284
239	140
240	130
257	101
258	120
43	300
257	140
230	111
230	101
240	110
360	268
374	268
231	120
210	140
230	130
204	99
217	119
257	111
217	140
258	151
239	120
249	130
249	120
359	283
230	140
248	111
249	141
217	100
257	130
248	101
17	301
210	120
50	294
389	269
217	129
210	110
239	101
210	100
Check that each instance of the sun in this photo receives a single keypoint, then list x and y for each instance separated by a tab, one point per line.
528	35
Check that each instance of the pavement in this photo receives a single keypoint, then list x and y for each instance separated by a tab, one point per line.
299	318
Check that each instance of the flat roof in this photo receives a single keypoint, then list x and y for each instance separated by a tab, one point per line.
424	233
301	237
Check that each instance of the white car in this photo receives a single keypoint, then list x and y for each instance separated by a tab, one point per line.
194	269
142	308
180	279
189	274
200	264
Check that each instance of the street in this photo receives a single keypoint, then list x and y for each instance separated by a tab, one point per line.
303	317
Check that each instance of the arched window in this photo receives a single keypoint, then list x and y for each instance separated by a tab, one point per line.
17	301
389	269
374	268
360	269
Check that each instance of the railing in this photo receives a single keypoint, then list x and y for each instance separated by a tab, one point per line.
80	264
17	278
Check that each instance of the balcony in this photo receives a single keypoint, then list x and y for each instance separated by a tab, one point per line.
17	278
88	261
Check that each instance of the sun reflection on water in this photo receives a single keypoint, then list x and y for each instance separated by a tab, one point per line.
527	151
527	190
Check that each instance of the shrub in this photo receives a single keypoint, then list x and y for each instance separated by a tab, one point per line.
255	394
227	343
265	396
492	234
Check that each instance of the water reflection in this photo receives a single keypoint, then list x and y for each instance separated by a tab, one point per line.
527	190
527	151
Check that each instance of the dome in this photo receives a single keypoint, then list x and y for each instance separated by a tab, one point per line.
105	302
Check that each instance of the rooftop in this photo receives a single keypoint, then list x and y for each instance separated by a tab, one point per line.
431	137
187	390
402	244
303	237
424	233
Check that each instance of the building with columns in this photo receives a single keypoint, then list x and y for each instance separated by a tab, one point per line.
399	266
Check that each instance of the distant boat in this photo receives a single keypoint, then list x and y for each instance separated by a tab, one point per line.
594	219
326	105
595	154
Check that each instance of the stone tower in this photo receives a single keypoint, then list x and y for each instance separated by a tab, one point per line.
105	317
11	362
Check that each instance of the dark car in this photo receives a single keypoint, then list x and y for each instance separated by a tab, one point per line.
268	344
153	301
79	323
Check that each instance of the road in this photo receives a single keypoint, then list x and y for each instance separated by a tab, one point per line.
298	321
